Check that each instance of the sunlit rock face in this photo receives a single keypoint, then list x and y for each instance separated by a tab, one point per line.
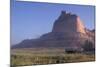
68	32
68	23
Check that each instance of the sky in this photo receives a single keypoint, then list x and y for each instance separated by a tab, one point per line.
33	19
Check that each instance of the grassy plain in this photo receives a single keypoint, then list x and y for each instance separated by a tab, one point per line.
40	56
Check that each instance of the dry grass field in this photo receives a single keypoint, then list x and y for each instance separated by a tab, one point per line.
40	56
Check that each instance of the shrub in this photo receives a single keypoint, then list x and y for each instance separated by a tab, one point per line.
88	46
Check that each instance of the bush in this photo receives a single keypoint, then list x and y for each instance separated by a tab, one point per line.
88	46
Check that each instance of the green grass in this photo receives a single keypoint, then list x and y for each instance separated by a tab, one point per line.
22	57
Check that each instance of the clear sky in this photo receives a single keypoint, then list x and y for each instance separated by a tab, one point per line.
32	19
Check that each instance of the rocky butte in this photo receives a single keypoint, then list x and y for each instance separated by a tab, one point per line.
68	32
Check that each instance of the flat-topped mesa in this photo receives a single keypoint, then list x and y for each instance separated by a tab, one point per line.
68	22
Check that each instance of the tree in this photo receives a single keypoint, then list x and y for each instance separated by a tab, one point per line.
88	46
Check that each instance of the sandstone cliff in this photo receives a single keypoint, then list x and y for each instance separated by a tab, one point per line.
68	32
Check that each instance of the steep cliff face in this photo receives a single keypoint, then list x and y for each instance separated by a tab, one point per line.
68	32
68	23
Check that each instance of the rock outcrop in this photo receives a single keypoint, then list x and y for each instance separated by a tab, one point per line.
68	23
68	32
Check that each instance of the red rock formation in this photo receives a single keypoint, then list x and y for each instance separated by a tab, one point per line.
68	32
68	23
